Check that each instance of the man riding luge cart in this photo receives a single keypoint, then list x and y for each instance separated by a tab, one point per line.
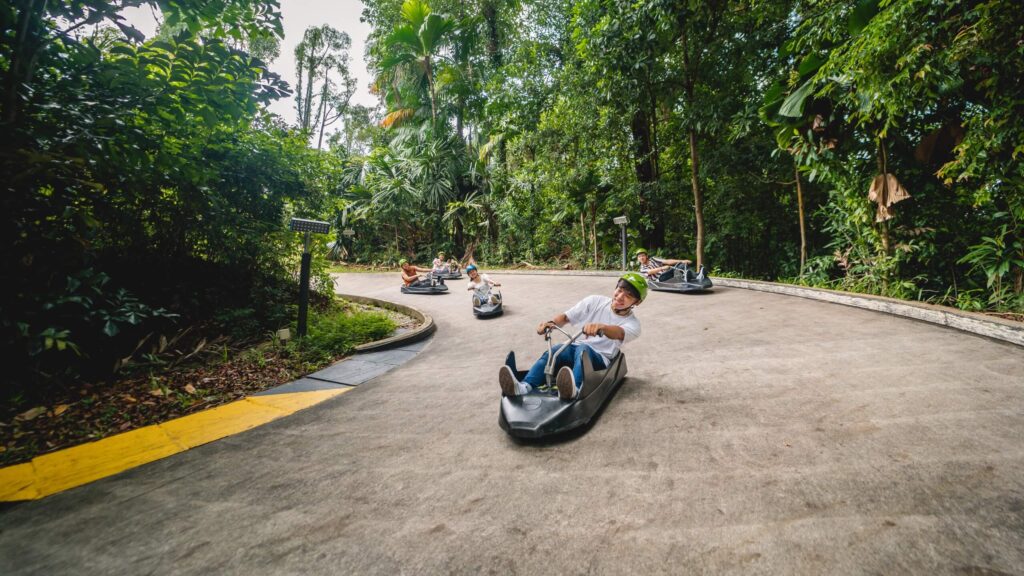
670	275
566	387
414	282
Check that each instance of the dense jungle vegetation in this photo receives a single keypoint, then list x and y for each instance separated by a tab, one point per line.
868	145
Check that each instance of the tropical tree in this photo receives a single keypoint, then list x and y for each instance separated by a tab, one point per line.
325	85
415	48
145	186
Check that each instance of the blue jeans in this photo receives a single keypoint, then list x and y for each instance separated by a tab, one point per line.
668	274
570	356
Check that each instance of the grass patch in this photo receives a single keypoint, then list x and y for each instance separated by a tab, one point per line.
342	268
337	331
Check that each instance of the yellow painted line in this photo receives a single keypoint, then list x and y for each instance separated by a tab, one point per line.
17	483
215	423
85	463
78	465
295	401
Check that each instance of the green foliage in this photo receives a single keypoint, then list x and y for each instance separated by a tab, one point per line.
923	91
337	330
1000	257
146	190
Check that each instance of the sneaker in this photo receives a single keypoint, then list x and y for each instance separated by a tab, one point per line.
566	383
507	381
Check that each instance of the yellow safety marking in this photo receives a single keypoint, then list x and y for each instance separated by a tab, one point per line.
216	423
295	401
58	471
18	483
85	463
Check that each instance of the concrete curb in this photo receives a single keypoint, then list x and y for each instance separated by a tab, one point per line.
979	324
970	322
425	329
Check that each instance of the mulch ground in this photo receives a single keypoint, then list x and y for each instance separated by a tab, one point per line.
89	412
147	395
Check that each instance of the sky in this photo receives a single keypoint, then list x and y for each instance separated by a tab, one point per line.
298	15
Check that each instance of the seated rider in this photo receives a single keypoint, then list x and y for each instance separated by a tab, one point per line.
481	285
440	264
612	317
660	269
411	274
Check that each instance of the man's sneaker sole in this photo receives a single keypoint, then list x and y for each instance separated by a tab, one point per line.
566	384
507	381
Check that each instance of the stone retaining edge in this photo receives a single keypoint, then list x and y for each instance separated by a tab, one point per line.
979	324
426	328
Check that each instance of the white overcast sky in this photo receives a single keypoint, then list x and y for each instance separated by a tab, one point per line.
298	15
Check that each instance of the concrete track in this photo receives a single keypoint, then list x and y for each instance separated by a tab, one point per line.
756	433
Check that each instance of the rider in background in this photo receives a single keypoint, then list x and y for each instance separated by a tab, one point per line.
607	323
481	285
440	264
411	274
658	268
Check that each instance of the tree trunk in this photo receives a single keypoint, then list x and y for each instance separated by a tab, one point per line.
593	229
307	121
460	238
800	208
658	234
322	115
698	199
490	13
883	169
28	30
458	121
430	86
583	234
646	176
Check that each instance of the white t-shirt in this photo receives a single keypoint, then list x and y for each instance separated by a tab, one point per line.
483	286
599	309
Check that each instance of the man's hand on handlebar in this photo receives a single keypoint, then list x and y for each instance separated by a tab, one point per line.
545	326
593	329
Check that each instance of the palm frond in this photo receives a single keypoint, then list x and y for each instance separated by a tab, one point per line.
397	117
415	12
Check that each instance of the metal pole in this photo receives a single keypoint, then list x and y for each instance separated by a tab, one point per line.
304	288
623	227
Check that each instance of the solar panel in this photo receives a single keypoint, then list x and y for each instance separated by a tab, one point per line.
314	226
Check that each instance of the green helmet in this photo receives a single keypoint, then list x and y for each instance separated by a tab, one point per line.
639	251
403	262
636	282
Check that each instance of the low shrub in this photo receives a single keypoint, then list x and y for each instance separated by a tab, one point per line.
337	330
